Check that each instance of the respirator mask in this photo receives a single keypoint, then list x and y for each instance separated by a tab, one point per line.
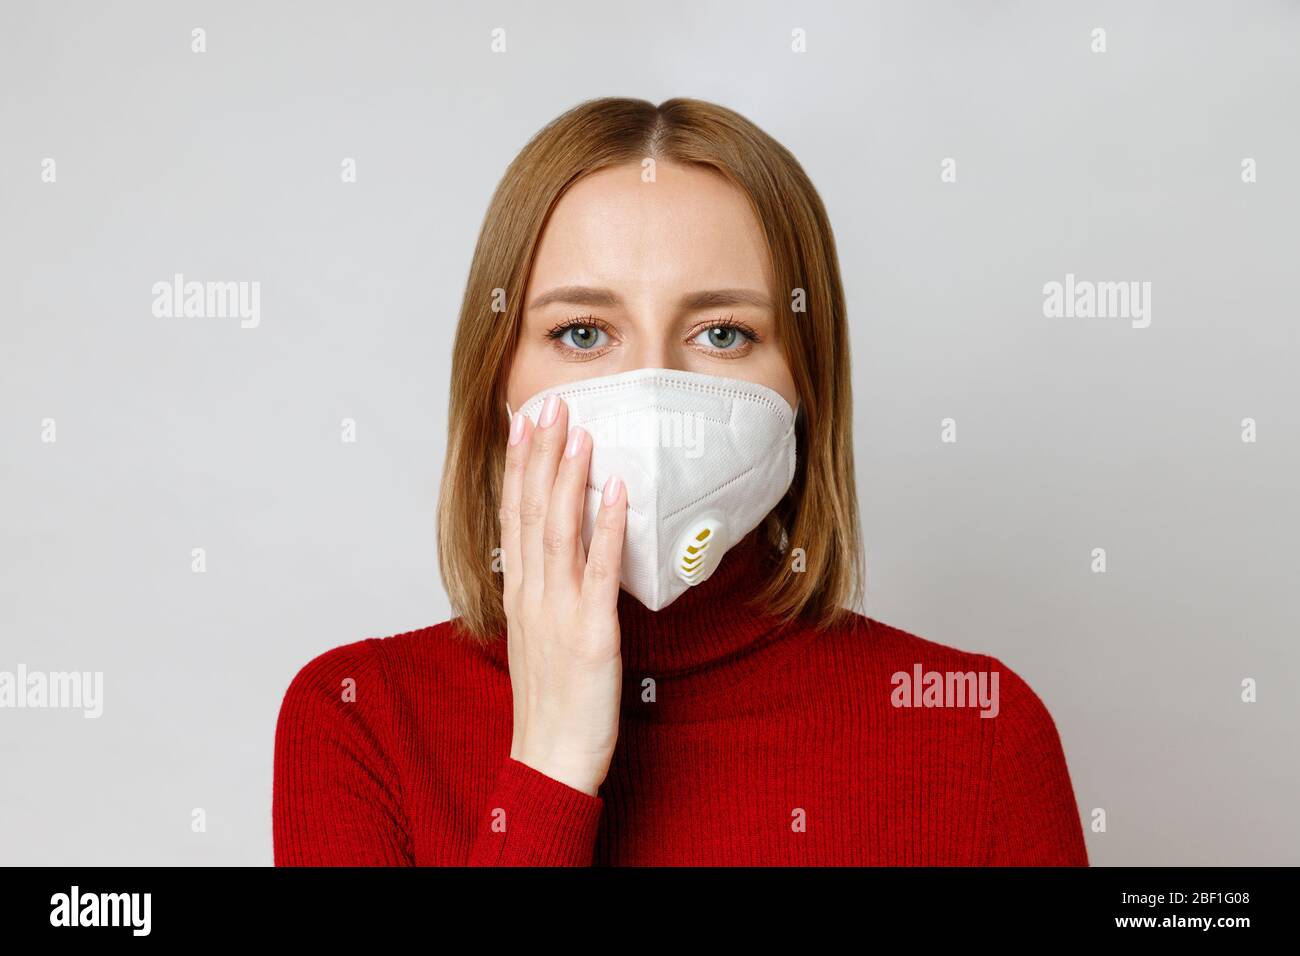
703	459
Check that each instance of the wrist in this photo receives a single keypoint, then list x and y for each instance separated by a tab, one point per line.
572	772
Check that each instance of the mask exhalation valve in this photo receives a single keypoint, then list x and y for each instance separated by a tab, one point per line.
699	549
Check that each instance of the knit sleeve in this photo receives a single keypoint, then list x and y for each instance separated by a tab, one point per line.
531	819
1033	818
336	793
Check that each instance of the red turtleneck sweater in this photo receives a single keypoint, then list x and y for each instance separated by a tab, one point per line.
738	744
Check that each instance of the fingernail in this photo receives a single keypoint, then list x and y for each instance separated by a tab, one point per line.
612	485
517	428
575	442
550	410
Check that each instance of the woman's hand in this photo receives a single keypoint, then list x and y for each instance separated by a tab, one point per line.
566	664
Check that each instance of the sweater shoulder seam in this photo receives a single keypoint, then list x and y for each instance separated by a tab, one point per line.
988	795
378	653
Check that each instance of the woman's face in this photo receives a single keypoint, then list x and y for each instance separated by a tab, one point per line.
666	274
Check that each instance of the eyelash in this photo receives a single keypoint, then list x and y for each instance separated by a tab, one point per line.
556	332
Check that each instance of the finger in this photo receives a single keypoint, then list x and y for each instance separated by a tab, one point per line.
535	497
605	556
517	446
562	541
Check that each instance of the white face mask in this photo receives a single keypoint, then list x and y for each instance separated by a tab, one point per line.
704	459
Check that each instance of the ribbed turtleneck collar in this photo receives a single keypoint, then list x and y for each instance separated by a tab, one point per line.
707	624
704	641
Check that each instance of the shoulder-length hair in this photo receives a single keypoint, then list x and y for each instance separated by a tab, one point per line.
815	526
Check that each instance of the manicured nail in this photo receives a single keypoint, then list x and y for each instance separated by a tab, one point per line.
575	442
612	485
517	428
550	410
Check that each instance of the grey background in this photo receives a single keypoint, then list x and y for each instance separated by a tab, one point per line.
1073	434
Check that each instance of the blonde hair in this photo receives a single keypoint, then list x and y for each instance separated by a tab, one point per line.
819	513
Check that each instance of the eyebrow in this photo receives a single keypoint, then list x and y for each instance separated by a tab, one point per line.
706	299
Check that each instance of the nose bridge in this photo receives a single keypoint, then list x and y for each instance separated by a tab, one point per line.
649	354
652	336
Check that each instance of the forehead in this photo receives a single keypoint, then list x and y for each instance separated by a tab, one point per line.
689	227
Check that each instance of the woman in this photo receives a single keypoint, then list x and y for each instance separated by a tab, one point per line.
655	659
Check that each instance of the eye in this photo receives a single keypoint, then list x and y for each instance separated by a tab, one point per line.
721	336
725	335
581	334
